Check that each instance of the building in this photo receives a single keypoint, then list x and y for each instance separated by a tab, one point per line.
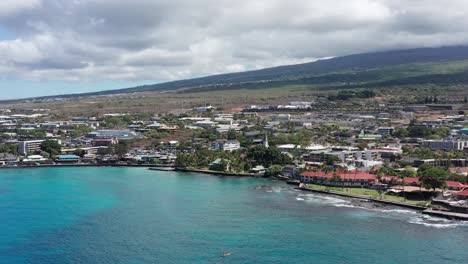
25	147
203	109
370	136
67	158
105	142
220	165
205	124
119	134
35	159
346	179
226	145
459	170
446	145
8	159
289	171
385	131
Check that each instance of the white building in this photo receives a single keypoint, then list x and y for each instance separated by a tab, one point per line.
25	147
203	109
225	145
446	145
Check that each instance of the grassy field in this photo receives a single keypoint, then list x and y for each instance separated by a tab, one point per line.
369	193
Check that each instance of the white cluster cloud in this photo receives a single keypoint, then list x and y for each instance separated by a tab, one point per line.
89	40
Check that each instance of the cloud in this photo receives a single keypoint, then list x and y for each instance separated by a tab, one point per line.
93	40
10	7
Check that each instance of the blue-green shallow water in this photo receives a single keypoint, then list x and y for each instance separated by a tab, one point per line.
133	215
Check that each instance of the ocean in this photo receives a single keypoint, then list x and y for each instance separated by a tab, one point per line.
134	216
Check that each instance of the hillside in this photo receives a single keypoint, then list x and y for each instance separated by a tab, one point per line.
432	66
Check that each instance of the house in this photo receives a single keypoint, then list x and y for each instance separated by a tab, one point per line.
203	109
225	145
259	169
289	171
164	127
462	195
454	185
205	124
7	159
220	165
459	170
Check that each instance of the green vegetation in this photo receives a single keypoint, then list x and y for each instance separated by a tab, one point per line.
9	148
239	161
347	95
81	130
51	146
273	170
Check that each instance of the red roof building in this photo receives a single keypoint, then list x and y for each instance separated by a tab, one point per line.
351	175
350	179
454	185
412	181
463	194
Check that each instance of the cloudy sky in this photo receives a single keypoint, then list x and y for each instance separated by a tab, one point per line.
67	46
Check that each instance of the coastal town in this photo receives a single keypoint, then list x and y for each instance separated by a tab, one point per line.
414	155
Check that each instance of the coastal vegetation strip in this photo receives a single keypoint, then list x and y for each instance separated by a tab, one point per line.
369	194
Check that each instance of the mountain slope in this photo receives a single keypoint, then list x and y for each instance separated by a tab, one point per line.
444	65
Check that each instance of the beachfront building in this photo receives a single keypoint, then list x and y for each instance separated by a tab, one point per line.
67	158
220	165
7	159
342	179
26	147
35	159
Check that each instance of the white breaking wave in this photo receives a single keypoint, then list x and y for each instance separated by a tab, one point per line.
436	222
409	216
320	199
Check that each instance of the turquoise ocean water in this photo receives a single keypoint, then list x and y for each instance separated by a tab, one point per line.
133	215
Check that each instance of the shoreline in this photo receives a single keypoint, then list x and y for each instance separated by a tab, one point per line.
86	165
365	198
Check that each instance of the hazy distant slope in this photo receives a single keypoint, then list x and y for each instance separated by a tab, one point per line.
422	65
357	62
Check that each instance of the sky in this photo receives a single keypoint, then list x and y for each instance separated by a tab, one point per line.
70	46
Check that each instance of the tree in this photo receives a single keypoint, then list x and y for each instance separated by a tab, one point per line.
7	148
120	149
79	152
433	178
401	133
273	171
330	160
51	146
267	156
408	171
231	134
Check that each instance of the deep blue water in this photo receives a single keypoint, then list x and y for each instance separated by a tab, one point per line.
133	215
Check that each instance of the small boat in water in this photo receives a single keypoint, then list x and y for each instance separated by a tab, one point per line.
226	254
